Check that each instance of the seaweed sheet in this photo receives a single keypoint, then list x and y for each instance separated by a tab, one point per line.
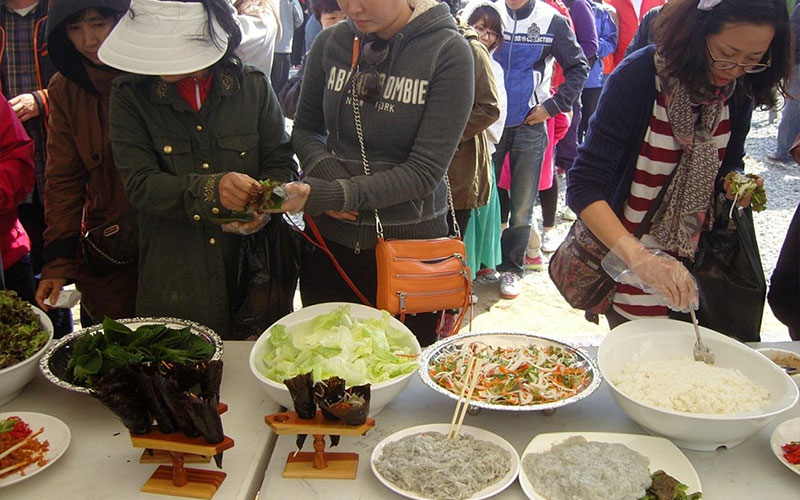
120	394
350	405
301	388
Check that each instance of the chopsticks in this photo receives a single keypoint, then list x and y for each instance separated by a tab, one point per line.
20	444
471	377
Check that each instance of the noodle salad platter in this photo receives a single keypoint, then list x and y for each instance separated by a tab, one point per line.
519	371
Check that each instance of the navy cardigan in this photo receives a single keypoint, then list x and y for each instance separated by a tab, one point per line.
606	161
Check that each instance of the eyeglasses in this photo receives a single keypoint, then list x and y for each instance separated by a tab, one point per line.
370	83
486	33
726	64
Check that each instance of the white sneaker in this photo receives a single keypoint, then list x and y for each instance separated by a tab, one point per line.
568	214
510	285
550	242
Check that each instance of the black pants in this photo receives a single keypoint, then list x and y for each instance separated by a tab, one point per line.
590	97
462	217
31	215
280	71
19	277
567	148
549	202
320	282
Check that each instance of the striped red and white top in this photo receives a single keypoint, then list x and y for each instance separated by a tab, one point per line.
658	157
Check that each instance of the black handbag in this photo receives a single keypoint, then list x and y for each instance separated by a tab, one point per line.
730	279
113	245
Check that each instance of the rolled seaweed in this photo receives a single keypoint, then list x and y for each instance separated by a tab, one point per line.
173	397
119	394
145	381
205	416
301	388
328	392
353	407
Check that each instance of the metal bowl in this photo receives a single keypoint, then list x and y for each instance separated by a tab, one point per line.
506	339
53	363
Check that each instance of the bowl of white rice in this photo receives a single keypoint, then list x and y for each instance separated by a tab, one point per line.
653	377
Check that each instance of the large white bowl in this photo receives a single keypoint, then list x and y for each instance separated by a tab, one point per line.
381	393
15	377
659	339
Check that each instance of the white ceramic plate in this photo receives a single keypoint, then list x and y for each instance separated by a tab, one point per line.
785	433
475	432
55	431
662	453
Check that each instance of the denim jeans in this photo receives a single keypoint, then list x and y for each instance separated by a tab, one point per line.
790	120
526	145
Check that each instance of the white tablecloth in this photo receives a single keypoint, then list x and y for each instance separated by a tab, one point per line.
749	471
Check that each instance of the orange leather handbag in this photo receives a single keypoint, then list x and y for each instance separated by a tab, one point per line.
423	276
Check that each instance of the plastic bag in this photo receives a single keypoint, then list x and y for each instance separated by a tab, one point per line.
730	278
269	265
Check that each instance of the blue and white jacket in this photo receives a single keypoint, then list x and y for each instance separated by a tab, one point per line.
536	36
606	43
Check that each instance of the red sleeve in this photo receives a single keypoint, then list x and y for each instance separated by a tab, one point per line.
16	159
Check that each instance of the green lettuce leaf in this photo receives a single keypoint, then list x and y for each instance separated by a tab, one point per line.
336	344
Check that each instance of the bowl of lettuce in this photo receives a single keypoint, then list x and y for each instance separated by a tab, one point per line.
25	334
352	341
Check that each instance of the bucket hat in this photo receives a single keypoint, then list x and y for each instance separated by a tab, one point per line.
163	38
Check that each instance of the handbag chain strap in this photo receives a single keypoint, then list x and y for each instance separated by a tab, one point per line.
367	171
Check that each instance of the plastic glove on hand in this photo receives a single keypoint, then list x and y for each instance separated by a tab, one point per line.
654	272
245	228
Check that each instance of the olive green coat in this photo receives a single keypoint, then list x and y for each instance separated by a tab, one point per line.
171	159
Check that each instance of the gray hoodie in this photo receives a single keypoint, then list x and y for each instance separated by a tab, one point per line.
410	134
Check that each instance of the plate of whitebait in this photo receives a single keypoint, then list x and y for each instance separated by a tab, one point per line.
422	463
606	466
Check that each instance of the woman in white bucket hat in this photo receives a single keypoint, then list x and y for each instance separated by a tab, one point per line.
191	132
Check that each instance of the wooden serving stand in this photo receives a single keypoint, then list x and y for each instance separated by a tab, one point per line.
319	464
178	449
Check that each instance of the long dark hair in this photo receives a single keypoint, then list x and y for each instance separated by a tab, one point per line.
680	32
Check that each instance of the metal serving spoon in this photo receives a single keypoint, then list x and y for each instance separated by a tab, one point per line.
701	351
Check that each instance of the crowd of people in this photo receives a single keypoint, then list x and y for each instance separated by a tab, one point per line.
149	124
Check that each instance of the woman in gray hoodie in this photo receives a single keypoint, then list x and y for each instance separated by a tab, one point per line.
414	78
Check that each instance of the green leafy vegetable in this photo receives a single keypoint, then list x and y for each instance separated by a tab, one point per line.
266	198
21	332
335	344
117	345
666	487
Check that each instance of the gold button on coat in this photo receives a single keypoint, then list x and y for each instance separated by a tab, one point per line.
196	217
243	154
205	166
215	210
168	149
212	241
199	128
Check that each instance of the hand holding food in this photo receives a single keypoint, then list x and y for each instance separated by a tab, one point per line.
655	272
235	190
747	189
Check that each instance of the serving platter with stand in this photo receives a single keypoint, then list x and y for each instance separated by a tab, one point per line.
319	464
